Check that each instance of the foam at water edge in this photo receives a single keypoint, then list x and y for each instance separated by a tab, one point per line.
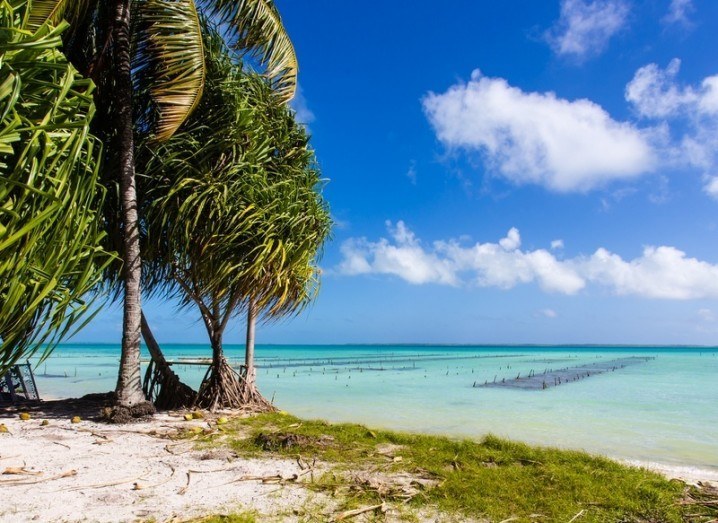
685	473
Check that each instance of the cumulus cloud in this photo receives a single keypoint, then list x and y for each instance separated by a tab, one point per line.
556	244
655	93
690	112
678	12
585	27
538	138
512	240
403	257
504	265
660	272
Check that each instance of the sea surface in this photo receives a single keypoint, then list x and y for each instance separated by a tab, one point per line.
661	409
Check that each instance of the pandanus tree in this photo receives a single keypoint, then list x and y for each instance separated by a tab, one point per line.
50	240
159	42
233	214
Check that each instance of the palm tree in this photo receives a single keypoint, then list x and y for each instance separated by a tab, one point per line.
167	61
232	213
50	241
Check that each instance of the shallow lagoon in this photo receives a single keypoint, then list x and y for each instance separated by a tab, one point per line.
663	410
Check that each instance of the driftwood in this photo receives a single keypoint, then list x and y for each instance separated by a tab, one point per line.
277	479
19	471
11	483
183	490
133	479
356	512
139	486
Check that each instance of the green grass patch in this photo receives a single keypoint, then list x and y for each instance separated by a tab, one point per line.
491	479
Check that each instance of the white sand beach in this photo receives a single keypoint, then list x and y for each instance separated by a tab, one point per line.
92	471
56	470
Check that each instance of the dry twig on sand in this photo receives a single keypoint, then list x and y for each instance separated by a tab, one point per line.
356	512
15	482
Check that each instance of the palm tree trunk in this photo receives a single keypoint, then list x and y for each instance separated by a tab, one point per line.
130	398
251	372
251	398
162	385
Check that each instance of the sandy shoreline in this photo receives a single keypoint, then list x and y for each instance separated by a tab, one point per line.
688	473
93	471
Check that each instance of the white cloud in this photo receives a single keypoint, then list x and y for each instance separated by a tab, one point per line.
548	313
689	112
303	114
706	315
512	240
660	272
537	137
411	173
585	27
556	244
655	93
503	265
405	258
678	12
711	186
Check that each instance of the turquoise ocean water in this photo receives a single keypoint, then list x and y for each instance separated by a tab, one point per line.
663	411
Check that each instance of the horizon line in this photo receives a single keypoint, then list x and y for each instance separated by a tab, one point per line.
428	344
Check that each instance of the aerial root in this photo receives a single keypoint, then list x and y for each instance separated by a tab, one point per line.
226	389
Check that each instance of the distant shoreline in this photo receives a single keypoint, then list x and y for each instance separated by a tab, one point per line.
451	345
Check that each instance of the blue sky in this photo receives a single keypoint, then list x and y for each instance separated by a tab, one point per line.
505	172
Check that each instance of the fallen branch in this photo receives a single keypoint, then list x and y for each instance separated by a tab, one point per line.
576	516
186	443
352	513
699	502
267	480
20	470
183	490
133	479
139	486
14	482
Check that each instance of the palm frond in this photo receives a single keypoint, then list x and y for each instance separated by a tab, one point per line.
233	200
256	28
50	255
55	11
169	62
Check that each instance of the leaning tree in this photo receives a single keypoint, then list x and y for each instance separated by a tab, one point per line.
233	214
50	241
153	45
